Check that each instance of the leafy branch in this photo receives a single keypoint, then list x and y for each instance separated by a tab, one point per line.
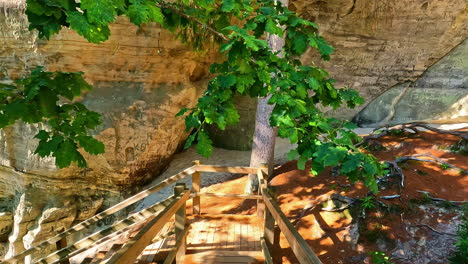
38	99
249	68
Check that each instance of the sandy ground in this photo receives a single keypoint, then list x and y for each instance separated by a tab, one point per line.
225	157
399	229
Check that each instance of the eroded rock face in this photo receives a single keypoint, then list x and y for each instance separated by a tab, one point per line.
141	79
379	44
441	93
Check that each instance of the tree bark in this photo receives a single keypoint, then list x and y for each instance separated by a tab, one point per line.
263	146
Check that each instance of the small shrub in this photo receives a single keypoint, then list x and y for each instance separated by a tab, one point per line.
461	254
378	257
444	166
461	147
368	202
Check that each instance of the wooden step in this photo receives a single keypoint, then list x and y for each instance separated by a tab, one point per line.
219	256
87	260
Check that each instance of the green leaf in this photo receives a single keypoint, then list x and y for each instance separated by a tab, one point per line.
46	147
91	145
301	162
271	27
67	4
322	46
292	154
192	121
93	33
352	163
228	6
190	140
370	167
67	153
182	112
143	11
100	12
226	81
299	43
204	144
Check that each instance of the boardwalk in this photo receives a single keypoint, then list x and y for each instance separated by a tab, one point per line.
162	232
214	239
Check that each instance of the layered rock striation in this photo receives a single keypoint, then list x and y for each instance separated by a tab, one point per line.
142	77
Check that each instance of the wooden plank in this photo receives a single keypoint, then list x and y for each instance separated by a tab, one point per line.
172	255
61	244
245	237
239	234
88	222
180	224
130	252
231	195
299	246
266	251
196	185
269	223
218	168
106	233
262	177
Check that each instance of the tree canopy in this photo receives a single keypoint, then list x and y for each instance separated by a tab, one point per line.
250	67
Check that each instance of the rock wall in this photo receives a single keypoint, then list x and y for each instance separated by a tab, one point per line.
441	93
380	44
141	79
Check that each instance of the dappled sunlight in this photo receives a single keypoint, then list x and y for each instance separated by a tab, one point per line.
330	234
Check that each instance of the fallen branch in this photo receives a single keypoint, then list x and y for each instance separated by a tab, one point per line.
397	171
344	199
306	209
385	130
389	197
435	199
434	159
435	231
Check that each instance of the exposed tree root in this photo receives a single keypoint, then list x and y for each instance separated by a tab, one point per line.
385	130
389	197
433	230
397	171
435	199
306	209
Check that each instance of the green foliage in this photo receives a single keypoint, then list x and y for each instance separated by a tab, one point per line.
378	257
444	166
39	99
249	68
461	254
368	202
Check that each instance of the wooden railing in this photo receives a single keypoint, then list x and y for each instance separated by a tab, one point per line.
153	218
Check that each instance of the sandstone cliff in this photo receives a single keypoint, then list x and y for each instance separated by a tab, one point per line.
142	77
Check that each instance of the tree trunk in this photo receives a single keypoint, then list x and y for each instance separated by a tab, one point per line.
263	146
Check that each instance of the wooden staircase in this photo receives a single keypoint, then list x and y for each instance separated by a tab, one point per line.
163	233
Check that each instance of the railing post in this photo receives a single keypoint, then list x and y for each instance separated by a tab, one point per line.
196	183
62	243
269	227
180	220
260	203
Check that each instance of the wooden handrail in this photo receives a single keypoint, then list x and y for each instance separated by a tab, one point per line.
266	251
218	168
165	210
172	255
231	195
104	234
130	252
125	203
299	246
